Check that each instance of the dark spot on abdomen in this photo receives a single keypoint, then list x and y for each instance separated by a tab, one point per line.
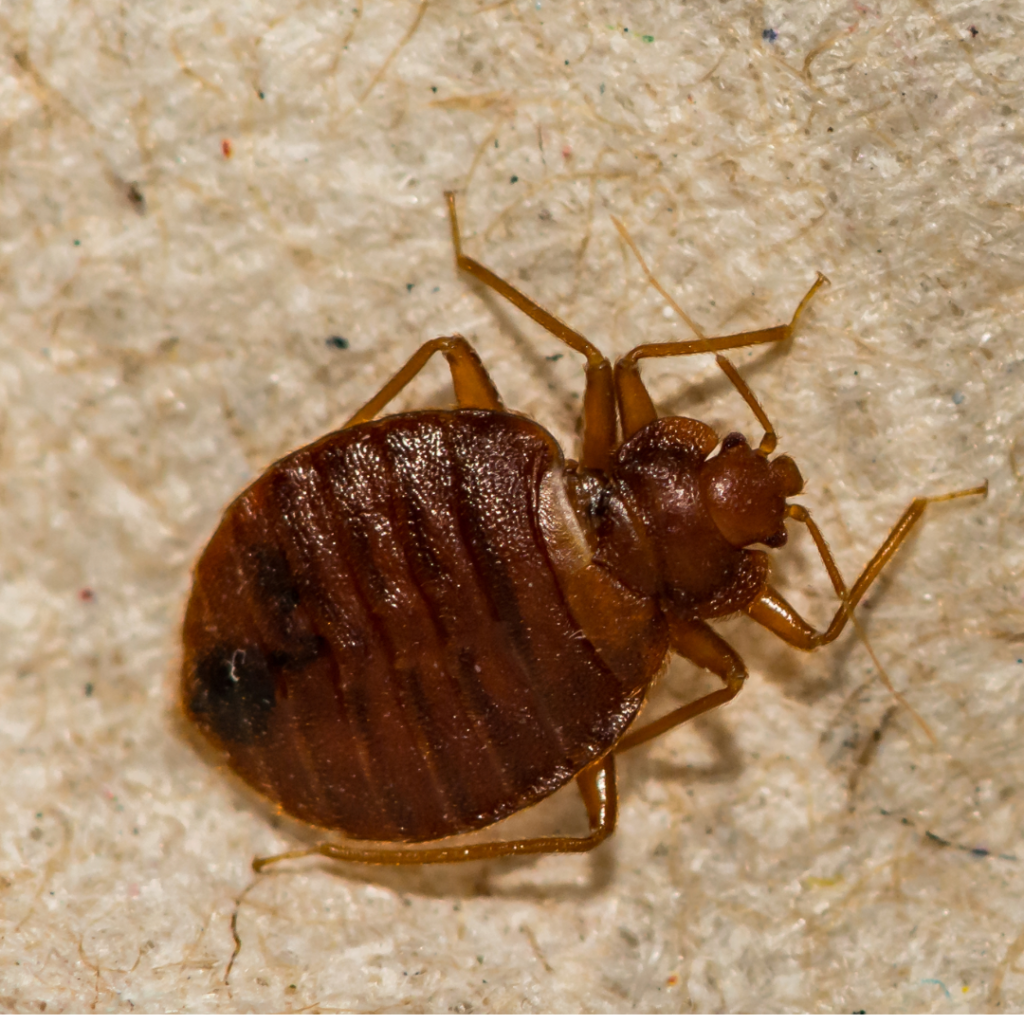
234	694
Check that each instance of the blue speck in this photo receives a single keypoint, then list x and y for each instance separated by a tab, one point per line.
935	981
957	398
769	35
337	341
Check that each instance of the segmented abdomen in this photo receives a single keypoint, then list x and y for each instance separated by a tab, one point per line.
377	639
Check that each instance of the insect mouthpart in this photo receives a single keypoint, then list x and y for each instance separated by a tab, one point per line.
420	624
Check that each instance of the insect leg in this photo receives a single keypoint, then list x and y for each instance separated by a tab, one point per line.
599	397
636	409
597	788
699	643
473	387
775	613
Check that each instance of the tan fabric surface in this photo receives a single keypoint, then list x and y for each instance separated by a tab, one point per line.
195	196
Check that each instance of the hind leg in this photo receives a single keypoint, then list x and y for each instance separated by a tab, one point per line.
597	788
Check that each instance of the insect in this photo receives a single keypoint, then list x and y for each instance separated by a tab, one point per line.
420	624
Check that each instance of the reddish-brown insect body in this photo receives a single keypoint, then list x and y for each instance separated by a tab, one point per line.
421	624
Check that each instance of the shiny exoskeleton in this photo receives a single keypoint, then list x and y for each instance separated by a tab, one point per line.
421	624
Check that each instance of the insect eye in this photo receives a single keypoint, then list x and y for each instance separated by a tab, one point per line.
733	440
786	476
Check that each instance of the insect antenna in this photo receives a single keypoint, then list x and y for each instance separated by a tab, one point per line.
768	444
770	439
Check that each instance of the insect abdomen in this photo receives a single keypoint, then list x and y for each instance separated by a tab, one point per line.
378	641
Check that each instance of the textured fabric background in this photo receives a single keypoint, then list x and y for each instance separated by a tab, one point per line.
195	197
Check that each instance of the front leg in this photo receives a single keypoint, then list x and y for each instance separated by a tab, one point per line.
774	612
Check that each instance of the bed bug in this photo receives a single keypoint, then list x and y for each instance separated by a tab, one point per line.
423	623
